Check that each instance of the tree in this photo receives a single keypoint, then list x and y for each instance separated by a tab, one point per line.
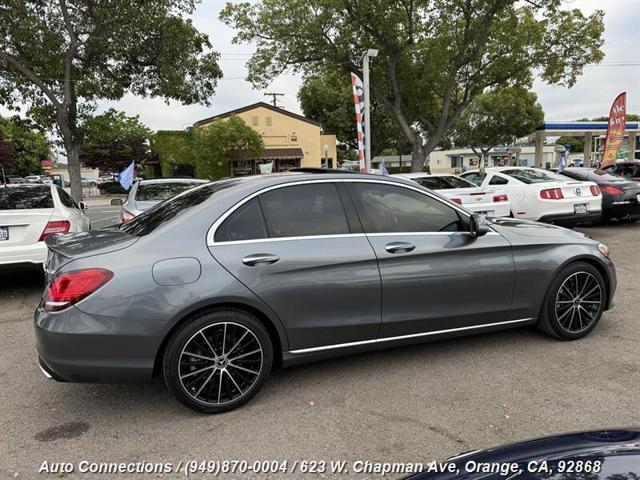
208	148
435	56
497	118
113	140
60	56
328	99
23	147
215	144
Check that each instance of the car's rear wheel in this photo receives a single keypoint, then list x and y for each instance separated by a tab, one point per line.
574	302
218	360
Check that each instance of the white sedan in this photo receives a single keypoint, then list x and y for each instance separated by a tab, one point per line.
28	214
488	201
544	196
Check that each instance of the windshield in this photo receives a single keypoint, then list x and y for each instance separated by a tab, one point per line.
168	210
162	191
16	198
529	175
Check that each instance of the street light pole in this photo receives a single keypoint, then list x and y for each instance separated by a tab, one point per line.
371	53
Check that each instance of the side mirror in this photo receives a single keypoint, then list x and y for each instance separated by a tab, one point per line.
478	225
116	201
83	206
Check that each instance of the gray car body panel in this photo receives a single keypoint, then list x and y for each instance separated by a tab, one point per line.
325	298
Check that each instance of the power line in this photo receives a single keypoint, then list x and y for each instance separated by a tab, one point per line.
274	96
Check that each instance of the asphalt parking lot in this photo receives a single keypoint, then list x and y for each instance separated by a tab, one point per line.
410	404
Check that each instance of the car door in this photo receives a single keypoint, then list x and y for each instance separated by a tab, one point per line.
299	250
435	275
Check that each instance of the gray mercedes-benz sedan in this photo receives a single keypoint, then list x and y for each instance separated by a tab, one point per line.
216	286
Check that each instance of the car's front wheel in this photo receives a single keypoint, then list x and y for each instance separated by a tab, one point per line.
218	360
574	302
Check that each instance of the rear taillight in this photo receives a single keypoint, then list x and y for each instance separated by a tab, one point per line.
71	287
456	200
595	190
611	190
500	198
127	216
551	194
58	226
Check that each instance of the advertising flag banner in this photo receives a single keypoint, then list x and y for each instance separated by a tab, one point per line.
358	100
615	129
126	176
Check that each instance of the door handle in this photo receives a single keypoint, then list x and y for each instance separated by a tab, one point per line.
399	247
258	258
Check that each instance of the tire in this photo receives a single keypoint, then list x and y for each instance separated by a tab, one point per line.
567	316
198	368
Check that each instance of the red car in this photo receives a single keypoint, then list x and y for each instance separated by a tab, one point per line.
628	169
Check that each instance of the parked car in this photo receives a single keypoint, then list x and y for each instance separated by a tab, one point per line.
620	196
218	284
34	178
89	182
144	194
541	195
29	214
627	169
595	455
106	178
487	201
14	179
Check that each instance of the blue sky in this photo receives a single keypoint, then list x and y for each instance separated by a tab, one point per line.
591	96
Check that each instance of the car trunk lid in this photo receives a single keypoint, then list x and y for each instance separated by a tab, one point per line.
23	226
469	196
64	248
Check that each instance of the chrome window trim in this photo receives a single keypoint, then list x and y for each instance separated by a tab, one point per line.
404	337
212	230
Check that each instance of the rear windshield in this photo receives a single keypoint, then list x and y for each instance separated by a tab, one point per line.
23	197
443	183
533	176
162	191
167	211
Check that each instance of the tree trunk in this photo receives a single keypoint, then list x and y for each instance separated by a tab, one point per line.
418	159
73	165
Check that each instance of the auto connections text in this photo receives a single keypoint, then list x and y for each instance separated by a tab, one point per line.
333	467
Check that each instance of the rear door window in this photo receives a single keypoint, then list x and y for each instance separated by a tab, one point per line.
17	198
304	210
66	199
245	223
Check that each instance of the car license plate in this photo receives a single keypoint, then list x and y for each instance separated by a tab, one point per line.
4	233
580	208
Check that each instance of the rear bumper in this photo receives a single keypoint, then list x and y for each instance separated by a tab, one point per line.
624	210
570	219
76	347
501	209
33	253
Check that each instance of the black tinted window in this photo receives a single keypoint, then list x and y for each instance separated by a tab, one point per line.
474	178
303	210
166	211
496	180
434	183
457	182
16	198
66	199
246	223
387	208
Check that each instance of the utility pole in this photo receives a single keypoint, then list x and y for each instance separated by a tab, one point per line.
371	53
274	96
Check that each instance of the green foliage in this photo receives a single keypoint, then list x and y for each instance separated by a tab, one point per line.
22	147
328	99
60	58
112	140
435	56
497	117
208	148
